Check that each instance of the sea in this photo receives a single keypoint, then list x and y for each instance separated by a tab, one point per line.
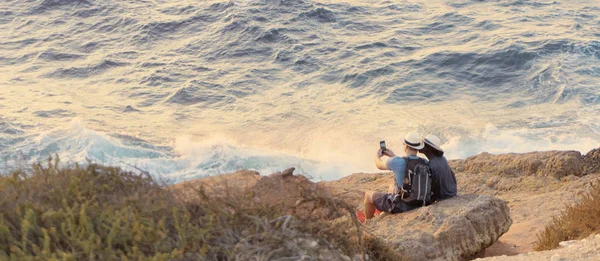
191	88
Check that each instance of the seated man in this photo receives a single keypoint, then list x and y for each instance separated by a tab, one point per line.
444	180
393	201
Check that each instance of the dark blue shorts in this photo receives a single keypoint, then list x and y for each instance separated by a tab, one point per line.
384	202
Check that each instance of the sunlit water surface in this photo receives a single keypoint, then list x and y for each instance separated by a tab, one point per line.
186	89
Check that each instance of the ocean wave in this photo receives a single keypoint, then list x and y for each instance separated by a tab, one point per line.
86	71
17	60
241	89
490	68
10	128
465	3
52	55
180	10
408	7
112	25
488	25
6	13
274	35
48	5
58	113
306	64
155	31
375	45
360	79
413	93
90	47
18	44
195	93
446	23
157	80
183	160
320	14
527	3
220	7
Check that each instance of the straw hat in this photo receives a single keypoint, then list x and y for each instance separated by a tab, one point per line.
413	140
433	141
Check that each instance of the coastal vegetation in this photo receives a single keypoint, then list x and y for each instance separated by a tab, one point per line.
96	212
575	222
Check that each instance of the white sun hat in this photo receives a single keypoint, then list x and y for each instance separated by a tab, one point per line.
433	141
413	140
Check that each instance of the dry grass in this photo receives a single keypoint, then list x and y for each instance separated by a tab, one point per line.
92	213
104	213
284	214
576	222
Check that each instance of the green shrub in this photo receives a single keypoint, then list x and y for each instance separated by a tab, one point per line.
576	222
92	213
104	213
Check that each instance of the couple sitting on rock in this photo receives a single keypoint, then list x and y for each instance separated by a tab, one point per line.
417	182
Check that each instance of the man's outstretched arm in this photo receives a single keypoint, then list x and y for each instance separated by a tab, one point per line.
379	163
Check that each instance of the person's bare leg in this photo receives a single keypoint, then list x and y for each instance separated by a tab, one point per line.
369	206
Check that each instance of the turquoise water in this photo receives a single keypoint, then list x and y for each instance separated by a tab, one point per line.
186	89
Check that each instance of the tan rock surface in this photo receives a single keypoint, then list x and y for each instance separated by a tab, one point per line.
452	229
534	185
555	164
218	185
591	162
577	250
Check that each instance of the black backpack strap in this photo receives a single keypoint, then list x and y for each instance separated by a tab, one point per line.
405	187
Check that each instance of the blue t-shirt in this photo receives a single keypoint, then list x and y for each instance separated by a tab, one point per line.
398	166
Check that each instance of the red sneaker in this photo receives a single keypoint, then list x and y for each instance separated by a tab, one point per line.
360	215
377	212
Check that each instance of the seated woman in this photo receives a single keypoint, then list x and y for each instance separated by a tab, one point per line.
444	180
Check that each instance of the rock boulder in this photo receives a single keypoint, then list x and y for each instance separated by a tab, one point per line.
555	164
453	229
591	162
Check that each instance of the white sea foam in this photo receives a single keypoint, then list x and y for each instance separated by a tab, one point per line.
187	158
184	159
496	141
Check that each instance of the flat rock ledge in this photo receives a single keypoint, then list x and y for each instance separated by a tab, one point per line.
454	229
575	250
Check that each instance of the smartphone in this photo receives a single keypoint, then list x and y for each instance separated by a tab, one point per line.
382	145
